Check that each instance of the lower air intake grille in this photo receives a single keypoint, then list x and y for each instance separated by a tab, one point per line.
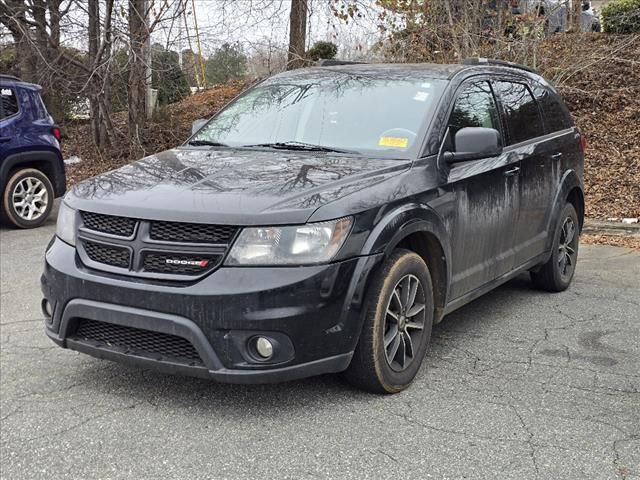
108	254
136	340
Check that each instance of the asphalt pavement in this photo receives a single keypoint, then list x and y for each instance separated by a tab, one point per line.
519	384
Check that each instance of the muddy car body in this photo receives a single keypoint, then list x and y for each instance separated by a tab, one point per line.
158	264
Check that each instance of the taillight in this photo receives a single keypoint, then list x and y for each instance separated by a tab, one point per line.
56	133
583	143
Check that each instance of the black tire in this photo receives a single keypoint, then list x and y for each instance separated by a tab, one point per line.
556	275
370	368
18	215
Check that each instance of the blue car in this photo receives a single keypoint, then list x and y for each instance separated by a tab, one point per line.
31	166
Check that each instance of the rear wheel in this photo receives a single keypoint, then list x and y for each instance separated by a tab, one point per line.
397	327
27	199
556	275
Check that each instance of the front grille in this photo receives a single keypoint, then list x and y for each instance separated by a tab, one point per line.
151	248
108	254
191	232
121	226
170	263
136	340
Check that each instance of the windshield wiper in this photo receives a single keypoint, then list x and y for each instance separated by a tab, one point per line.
293	145
206	143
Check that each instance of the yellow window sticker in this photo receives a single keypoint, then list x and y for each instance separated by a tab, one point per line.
397	142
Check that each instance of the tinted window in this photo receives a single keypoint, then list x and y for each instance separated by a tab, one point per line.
369	115
474	107
556	115
9	102
522	116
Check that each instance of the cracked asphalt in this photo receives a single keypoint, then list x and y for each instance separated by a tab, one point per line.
518	384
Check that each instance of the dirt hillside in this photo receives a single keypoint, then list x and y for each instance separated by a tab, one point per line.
599	78
598	75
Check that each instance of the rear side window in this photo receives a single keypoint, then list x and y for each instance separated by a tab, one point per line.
474	107
9	102
521	113
556	115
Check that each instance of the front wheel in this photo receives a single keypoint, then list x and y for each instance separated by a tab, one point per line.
557	273
397	327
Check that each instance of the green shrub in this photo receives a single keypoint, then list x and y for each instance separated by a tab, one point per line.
322	50
621	16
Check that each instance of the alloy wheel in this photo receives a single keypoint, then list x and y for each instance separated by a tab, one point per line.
30	198
567	248
404	322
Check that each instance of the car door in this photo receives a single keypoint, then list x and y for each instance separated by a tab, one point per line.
486	197
527	140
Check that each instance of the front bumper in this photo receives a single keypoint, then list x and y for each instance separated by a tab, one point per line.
312	314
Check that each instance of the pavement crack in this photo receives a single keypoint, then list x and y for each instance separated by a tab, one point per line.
529	441
21	321
620	470
388	455
82	423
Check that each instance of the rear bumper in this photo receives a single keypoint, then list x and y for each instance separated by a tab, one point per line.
312	314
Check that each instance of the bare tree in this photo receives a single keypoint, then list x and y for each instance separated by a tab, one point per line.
137	38
98	64
13	15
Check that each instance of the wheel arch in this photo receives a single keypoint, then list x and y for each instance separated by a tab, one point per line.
417	228
570	190
576	198
47	161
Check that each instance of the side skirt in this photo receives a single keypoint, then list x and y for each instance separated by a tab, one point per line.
478	292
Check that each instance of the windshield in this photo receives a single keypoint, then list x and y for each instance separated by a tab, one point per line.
374	116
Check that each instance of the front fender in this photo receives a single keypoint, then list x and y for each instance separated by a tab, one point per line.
403	221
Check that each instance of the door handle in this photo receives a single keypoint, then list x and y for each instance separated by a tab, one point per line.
556	156
512	172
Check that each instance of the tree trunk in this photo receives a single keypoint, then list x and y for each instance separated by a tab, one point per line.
93	10
574	15
137	38
297	34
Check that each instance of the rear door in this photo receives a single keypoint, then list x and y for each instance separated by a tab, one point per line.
526	140
486	196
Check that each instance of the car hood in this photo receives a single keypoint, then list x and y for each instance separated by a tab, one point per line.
230	186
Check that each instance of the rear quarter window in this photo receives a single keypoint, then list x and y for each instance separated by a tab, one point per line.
556	114
521	113
9	102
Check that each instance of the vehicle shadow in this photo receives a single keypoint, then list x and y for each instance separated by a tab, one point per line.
106	378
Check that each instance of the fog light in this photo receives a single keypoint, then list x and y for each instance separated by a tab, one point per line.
47	310
264	348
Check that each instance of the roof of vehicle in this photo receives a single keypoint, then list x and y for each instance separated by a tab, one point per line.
10	80
404	70
382	70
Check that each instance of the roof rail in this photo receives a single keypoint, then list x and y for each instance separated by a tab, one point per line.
331	62
9	77
493	61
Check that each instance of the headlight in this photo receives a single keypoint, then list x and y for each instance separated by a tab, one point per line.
66	226
297	245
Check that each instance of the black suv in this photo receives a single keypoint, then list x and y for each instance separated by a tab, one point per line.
322	222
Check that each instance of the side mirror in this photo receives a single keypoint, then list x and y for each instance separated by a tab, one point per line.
197	125
473	143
